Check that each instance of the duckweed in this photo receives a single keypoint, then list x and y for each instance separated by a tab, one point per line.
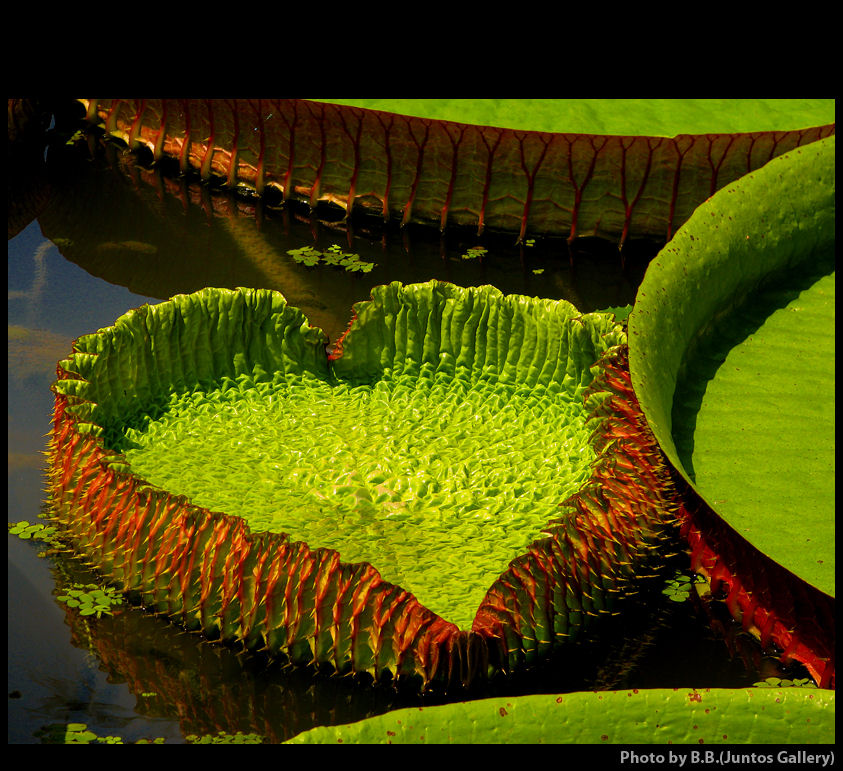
91	599
334	256
34	531
679	587
473	252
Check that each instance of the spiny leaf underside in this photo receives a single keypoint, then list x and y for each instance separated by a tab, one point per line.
605	537
444	173
788	618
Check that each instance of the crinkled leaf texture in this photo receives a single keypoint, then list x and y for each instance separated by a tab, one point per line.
380	504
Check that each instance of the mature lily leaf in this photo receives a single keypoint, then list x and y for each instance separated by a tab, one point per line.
732	357
621	117
447	172
785	368
428	501
657	716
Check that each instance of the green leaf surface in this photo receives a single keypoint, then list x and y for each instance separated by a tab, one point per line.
636	117
732	357
657	716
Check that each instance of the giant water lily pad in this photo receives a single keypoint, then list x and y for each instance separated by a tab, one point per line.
621	117
651	716
614	169
732	357
428	499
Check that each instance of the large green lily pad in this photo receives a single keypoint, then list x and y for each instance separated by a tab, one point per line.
558	168
732	357
631	117
654	716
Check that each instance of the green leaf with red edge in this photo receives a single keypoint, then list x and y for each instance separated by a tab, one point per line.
612	169
627	117
732	357
460	432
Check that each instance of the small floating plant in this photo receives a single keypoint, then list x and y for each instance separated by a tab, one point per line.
334	256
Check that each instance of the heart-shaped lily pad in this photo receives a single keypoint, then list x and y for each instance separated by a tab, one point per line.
732	357
433	491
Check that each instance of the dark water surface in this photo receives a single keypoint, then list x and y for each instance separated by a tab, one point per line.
113	236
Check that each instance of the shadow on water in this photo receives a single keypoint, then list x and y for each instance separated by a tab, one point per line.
127	234
160	235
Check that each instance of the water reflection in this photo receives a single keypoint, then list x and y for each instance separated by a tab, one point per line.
160	236
207	688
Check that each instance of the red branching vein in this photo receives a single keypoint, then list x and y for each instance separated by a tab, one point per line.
579	187
290	118
424	125
319	116
135	131
544	139
184	156
487	179
208	157
455	139
682	145
753	140
260	175
354	138
234	151
385	120
716	165
652	144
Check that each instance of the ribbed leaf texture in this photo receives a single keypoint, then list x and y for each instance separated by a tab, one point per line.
271	590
